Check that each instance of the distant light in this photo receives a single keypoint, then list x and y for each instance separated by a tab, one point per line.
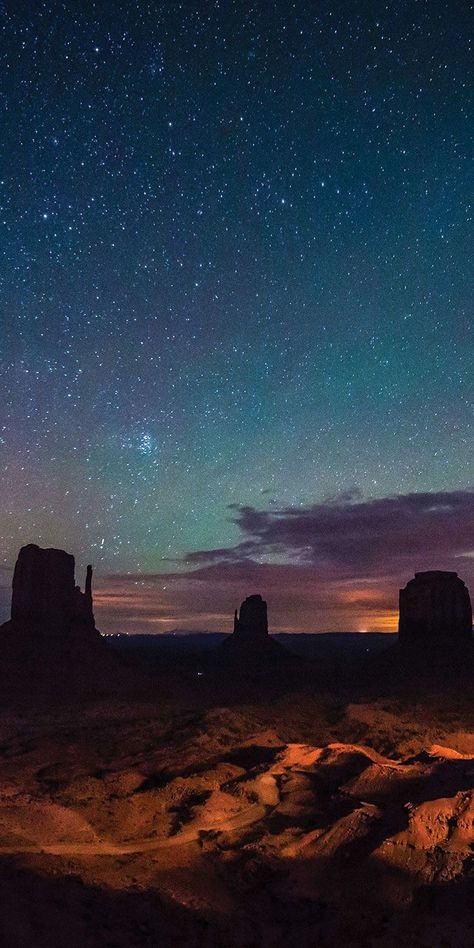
199	674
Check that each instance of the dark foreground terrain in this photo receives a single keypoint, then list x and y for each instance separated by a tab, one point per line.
178	799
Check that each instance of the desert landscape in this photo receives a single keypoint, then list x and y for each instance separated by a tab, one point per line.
240	796
236	474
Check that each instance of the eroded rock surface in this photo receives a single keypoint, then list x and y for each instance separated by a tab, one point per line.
246	838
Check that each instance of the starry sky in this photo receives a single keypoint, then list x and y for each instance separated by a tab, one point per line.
236	302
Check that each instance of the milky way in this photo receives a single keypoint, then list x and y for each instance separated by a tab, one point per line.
236	252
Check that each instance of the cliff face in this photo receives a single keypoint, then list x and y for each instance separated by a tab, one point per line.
435	610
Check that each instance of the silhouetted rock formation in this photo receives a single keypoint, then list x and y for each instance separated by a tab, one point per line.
52	631
250	646
44	594
435	610
50	649
83	611
252	623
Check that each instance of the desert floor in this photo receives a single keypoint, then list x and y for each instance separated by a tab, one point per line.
218	809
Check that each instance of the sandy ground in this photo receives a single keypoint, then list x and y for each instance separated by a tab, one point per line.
289	817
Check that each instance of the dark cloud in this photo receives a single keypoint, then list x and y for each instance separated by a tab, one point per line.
331	566
348	536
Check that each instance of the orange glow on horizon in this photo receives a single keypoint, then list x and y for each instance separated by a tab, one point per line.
305	606
381	622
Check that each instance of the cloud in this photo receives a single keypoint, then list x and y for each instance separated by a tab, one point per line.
331	566
351	537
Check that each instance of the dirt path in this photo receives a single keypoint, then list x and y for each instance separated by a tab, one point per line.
251	814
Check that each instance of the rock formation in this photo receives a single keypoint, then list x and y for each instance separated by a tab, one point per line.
47	606
50	649
83	611
252	623
250	647
44	593
435	610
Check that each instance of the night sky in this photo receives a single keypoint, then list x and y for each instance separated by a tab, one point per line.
236	302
